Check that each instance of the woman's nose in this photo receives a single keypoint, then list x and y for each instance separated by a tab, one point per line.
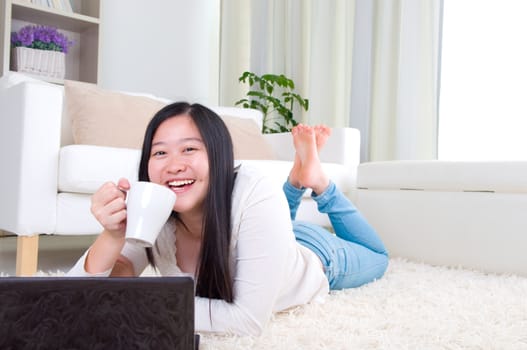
175	165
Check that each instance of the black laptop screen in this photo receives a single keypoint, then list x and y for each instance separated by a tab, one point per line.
96	313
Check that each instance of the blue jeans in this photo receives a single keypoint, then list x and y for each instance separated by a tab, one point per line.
351	257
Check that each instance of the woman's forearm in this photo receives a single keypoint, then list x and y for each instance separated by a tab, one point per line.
104	253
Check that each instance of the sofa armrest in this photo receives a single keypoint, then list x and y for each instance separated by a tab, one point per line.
29	148
342	147
282	145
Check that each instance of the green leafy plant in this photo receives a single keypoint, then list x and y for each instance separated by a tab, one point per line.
273	95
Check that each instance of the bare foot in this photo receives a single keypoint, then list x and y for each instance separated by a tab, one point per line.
322	133
297	163
295	170
307	170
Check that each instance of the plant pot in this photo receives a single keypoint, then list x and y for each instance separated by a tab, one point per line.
39	62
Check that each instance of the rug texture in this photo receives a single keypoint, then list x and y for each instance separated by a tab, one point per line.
414	306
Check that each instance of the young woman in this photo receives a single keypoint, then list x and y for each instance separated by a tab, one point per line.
232	229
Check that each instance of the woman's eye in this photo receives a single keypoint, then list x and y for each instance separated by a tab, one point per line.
189	149
158	153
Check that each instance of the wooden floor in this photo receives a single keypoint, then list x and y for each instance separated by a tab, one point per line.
56	253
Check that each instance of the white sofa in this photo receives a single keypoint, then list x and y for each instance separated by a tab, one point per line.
47	181
468	214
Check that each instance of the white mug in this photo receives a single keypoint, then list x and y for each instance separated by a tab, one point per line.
148	207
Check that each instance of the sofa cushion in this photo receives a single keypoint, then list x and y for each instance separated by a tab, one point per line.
84	168
107	118
435	175
116	119
247	139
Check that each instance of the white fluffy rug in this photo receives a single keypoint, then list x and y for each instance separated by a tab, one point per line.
414	306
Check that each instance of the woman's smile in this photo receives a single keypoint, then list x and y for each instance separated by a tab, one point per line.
179	186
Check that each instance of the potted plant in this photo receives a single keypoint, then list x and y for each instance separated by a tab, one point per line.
39	50
273	95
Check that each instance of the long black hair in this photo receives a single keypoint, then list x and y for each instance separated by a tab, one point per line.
214	275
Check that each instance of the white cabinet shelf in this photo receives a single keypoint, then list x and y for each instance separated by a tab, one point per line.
81	26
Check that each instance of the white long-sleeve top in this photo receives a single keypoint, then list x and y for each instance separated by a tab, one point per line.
272	272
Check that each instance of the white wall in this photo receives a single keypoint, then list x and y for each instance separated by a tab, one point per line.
166	47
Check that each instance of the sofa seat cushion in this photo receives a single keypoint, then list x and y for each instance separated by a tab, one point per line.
84	168
434	175
279	169
72	209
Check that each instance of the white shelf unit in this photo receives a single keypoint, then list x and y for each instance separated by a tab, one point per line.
82	26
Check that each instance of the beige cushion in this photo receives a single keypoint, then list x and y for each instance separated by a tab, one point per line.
247	139
114	119
106	118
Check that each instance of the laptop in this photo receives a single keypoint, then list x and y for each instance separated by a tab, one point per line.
97	313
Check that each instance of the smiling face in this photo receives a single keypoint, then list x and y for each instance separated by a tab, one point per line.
179	160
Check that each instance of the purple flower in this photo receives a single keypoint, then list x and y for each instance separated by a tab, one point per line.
42	38
43	34
26	35
14	37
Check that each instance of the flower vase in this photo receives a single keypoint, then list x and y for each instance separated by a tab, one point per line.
39	62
